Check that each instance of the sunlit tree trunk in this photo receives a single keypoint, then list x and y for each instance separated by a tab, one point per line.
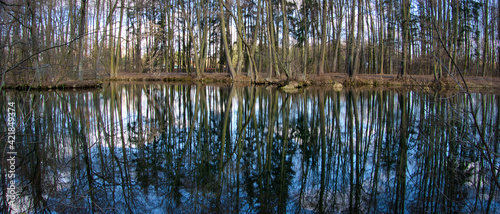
225	39
239	45
256	33
272	40
201	51
116	50
339	12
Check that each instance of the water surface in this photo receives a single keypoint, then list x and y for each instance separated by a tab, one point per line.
133	148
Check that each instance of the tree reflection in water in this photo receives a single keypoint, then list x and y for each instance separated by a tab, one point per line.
203	149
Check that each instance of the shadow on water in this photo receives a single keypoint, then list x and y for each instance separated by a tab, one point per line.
205	149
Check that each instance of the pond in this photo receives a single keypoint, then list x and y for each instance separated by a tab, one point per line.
163	148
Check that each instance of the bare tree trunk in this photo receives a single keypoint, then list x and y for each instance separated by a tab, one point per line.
200	46
351	44
390	37
119	43
115	47
339	12
272	41
71	31
405	4
81	34
31	6
371	40
138	38
381	36
455	13
224	39
358	53
486	38
97	50
305	48
323	39
253	70
239	26
286	41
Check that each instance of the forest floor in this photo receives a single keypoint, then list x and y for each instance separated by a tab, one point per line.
412	82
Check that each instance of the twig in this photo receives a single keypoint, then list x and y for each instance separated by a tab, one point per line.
488	152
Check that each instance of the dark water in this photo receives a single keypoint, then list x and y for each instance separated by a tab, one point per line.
208	149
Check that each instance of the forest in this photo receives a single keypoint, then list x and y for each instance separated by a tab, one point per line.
50	40
155	147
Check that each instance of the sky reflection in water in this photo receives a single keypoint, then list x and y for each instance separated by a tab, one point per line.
133	148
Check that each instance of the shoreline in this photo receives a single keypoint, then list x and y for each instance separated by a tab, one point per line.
335	80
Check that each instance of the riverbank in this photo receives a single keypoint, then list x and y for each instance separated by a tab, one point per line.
47	85
335	80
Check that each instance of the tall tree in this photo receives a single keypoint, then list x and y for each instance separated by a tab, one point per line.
200	39
381	35
273	58
285	63
323	37
339	13
351	44
33	32
405	10
239	45
224	39
486	37
81	34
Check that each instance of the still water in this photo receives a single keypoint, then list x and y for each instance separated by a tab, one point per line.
156	148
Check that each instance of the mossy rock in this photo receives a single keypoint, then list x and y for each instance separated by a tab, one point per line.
337	86
290	90
291	85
